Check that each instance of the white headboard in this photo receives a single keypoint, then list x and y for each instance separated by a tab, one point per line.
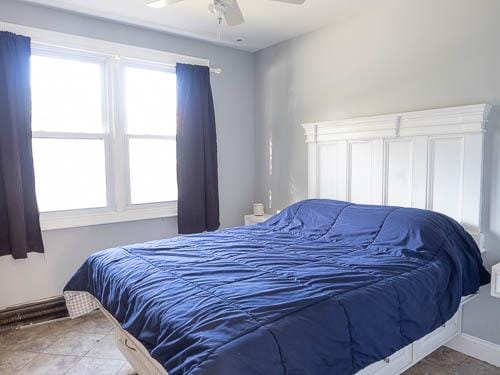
427	159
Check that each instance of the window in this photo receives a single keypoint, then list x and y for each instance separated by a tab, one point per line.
104	132
68	123
150	131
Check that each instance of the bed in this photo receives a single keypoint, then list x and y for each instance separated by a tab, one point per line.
327	286
323	287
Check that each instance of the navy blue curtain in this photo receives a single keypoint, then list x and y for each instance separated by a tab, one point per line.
19	218
197	180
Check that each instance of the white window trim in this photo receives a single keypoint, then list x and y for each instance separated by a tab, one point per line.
119	208
124	203
98	216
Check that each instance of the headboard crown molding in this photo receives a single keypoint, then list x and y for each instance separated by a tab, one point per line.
430	159
469	119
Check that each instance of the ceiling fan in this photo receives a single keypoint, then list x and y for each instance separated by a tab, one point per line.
227	10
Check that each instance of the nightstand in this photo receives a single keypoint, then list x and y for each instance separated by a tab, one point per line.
495	281
252	219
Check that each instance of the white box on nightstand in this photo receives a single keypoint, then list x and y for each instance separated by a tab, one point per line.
495	281
253	219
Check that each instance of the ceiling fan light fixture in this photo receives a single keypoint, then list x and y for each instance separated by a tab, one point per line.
157	4
211	8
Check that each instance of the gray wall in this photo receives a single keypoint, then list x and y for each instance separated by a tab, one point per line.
44	275
397	55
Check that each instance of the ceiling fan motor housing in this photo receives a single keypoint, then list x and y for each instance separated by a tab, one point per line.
219	7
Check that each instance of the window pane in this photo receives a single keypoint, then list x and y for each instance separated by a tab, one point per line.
151	102
153	173
69	173
66	95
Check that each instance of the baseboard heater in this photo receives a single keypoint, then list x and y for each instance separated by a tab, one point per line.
32	313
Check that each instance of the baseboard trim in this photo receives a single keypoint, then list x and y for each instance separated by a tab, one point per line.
477	348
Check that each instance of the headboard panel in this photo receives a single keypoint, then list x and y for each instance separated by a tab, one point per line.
427	159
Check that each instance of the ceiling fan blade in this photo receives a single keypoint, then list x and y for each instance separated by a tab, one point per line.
162	3
299	2
233	14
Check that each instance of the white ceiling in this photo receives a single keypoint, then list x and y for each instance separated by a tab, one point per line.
267	22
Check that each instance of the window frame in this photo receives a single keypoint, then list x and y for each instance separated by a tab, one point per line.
117	209
105	136
134	63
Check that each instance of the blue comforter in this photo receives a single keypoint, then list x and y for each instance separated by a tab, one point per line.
324	287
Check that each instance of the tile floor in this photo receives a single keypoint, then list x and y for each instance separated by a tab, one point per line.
445	361
86	346
81	346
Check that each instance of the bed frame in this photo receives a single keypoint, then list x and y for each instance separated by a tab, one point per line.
82	303
428	159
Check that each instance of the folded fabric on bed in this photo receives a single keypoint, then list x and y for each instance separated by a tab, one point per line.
324	287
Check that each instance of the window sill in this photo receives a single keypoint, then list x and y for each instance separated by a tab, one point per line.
83	218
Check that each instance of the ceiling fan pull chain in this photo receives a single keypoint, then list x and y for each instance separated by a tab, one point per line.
219	27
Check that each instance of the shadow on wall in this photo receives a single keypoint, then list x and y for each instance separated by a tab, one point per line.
481	314
284	156
491	186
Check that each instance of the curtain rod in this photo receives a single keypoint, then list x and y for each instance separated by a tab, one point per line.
80	43
212	70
